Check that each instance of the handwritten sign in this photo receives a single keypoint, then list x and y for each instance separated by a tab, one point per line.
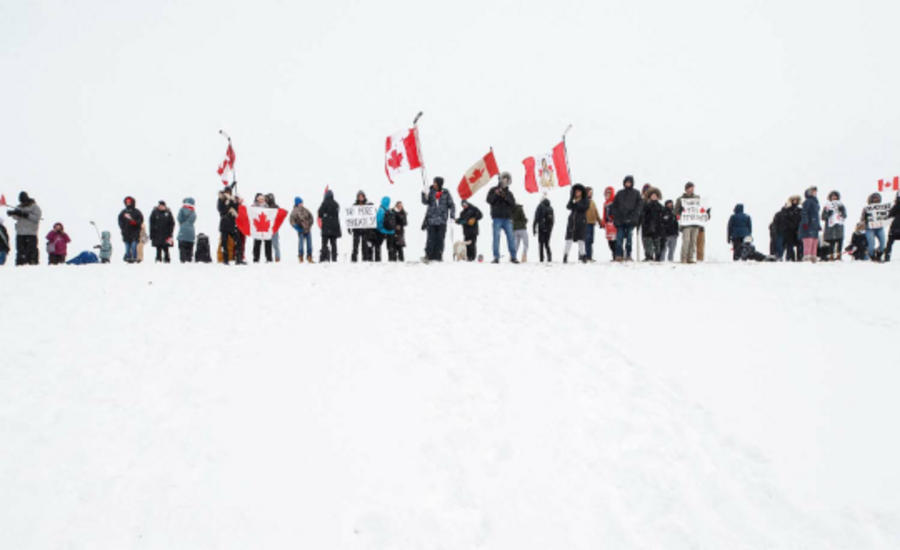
877	215
361	216
693	213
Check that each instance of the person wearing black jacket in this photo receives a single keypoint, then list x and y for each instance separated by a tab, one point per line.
329	215
502	203
670	233
543	227
469	217
652	231
397	242
626	214
789	229
162	229
894	234
576	228
227	207
4	243
361	237
130	221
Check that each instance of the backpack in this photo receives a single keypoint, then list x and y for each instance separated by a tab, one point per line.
203	251
389	222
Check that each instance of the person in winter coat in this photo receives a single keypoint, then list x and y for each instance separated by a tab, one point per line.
810	225
543	227
652	228
689	232
873	233
162	229
859	245
186	218
329	214
593	220
130	222
748	252
440	208
142	241
609	195
626	214
740	226
502	202
227	207
276	241
362	238
520	230
385	226
787	223
4	243
28	219
261	244
105	247
894	234
301	220
833	217
670	233
469	217
57	244
577	223
397	242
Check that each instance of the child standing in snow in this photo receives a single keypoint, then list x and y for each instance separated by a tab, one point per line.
57	244
105	247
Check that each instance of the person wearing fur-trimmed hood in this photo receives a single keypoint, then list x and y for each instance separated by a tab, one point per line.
810	225
872	233
576	227
834	215
130	221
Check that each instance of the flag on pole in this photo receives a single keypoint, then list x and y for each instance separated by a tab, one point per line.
2	200
887	184
401	153
548	171
478	176
226	168
260	222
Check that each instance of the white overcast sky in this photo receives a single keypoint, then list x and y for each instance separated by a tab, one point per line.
752	100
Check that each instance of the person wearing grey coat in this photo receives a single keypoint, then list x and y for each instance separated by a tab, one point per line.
834	215
186	232
28	220
440	208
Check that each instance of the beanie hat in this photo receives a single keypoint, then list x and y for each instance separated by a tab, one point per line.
298	201
439	181
23	197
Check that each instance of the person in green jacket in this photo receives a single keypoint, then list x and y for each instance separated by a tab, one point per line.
520	230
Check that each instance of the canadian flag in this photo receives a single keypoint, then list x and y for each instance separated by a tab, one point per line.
401	153
478	176
260	222
2	200
226	168
548	171
886	184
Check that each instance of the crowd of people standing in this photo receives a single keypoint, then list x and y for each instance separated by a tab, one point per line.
802	230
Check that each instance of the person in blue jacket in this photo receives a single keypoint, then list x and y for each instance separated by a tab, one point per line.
810	225
740	226
386	226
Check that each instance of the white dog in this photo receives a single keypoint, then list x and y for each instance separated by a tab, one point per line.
459	251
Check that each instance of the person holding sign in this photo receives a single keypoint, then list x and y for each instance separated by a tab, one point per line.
361	237
688	210
833	216
895	228
809	225
875	216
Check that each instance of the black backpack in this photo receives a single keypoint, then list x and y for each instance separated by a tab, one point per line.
389	222
203	252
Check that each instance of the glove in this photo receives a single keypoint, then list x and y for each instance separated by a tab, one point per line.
132	222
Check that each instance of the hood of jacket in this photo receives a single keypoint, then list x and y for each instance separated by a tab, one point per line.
739	209
650	190
808	193
835	194
105	236
189	200
329	195
133	202
875	198
578	187
791	199
612	195
386	203
364	199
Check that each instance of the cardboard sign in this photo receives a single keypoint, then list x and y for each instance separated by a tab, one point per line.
836	218
877	215
361	216
693	213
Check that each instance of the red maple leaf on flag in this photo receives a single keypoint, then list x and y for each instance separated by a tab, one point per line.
262	223
396	159
476	175
703	210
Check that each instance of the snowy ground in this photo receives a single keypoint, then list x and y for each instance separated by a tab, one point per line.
452	406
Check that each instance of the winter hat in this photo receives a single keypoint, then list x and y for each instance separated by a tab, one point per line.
505	179
23	197
464	203
669	202
162	203
688	185
129	201
628	179
439	181
835	194
298	201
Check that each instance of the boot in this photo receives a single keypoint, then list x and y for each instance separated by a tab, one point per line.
309	259
524	258
549	257
565	258
514	261
300	258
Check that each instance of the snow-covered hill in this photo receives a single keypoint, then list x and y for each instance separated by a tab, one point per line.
452	406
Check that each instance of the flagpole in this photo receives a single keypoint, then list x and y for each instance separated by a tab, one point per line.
419	147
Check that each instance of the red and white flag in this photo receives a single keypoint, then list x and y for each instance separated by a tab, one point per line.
887	184
226	168
548	171
401	153
3	200
260	222
478	176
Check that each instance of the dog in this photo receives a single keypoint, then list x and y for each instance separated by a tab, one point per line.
459	251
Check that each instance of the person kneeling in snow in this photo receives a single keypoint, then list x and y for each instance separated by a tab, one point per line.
748	252
859	245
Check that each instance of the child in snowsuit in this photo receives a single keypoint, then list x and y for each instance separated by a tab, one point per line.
105	247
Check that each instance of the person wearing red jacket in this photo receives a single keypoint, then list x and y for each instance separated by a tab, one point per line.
57	244
609	195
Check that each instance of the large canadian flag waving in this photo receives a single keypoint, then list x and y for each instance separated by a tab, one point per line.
226	168
478	176
548	171
260	223
401	153
888	184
